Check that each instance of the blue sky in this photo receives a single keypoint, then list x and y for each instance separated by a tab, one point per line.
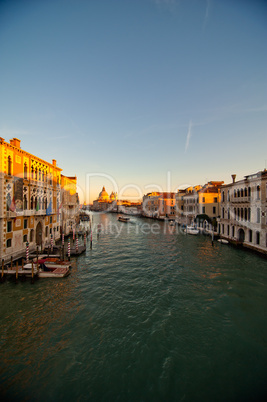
137	95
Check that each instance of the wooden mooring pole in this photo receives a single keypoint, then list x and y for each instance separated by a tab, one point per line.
2	275
17	271
32	273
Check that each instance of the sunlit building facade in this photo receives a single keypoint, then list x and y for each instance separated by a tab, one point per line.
30	203
243	217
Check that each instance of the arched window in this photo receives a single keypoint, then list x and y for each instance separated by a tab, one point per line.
249	191
31	202
242	192
45	207
9	165
258	192
36	173
242	214
238	193
246	192
228	196
249	214
32	172
234	213
246	214
238	214
25	171
223	196
25	202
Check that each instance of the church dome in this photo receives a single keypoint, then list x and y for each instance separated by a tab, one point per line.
103	195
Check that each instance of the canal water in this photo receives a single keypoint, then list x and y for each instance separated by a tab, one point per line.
149	314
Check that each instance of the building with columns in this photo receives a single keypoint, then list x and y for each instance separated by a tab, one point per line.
243	217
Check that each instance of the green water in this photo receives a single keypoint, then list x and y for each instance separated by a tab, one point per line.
146	315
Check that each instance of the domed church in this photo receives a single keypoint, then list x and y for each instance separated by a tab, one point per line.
104	201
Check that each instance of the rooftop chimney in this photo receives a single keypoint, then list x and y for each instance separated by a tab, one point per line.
233	177
15	142
54	162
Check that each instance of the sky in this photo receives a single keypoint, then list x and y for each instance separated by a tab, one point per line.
137	95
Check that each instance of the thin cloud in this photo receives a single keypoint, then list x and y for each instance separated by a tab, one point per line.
206	13
189	135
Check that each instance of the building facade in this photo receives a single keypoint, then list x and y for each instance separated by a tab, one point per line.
159	205
243	217
30	191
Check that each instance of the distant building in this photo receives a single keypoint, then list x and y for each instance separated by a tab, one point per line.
243	217
105	202
69	204
159	205
198	203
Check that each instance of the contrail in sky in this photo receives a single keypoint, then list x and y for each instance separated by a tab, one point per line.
189	134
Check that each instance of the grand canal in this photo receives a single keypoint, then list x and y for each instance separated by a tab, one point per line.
146	315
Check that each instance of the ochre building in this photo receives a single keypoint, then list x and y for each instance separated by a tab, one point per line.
30	200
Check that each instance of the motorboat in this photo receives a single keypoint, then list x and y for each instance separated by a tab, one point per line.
223	241
123	219
191	230
45	271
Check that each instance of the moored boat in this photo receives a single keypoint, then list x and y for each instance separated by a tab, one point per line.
191	230
123	219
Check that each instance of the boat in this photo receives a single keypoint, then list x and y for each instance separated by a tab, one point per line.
53	272
44	271
54	263
172	222
123	219
223	241
191	230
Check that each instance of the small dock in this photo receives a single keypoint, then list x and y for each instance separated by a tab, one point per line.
74	251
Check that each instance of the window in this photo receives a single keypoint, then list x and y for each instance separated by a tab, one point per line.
258	192
32	172
238	193
258	215
222	229
214	210
234	213
215	199
249	191
46	231
25	237
31	235
250	236
246	214
25	171
50	219
242	192
9	226
228	230
246	192
249	214
25	202
9	166
223	213
203	199
223	196
9	243
233	231
25	223
257	237
203	210
228	196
